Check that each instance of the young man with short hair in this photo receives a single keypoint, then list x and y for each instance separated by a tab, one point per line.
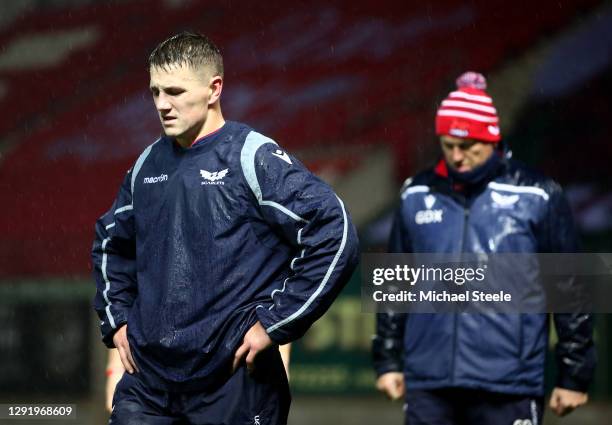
219	246
481	369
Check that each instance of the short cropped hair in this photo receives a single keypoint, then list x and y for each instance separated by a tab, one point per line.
187	48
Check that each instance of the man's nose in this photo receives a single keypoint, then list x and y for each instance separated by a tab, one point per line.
457	154
162	104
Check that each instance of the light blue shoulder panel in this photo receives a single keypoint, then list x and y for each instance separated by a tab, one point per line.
252	143
138	165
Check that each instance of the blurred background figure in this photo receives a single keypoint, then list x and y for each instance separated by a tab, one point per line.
114	372
481	368
350	86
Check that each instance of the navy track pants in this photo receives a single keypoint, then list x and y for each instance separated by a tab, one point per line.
459	406
258	398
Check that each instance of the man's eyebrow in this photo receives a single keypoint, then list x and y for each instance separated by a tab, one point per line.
160	87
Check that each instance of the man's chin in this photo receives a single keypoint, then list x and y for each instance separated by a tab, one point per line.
172	132
460	169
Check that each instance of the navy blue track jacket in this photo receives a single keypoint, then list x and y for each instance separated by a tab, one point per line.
203	242
517	211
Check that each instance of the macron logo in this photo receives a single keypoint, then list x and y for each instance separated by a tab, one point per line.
214	177
161	178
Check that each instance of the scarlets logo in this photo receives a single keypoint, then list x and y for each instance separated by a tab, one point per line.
213	177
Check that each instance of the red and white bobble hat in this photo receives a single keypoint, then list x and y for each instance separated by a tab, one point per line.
468	112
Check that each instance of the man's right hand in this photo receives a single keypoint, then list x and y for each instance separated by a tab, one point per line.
564	401
121	342
392	384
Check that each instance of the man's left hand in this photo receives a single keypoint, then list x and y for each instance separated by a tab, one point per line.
255	340
564	401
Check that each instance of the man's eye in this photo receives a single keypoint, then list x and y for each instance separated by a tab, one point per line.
175	92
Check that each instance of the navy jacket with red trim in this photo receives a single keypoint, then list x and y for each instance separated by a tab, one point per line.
502	353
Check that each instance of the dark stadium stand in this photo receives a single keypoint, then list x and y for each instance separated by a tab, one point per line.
310	74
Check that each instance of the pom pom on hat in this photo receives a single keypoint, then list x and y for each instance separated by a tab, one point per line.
472	79
468	112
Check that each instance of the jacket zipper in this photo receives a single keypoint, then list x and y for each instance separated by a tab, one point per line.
466	217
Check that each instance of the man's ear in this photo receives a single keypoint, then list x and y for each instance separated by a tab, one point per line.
216	87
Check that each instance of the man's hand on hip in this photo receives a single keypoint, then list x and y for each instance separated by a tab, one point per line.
121	342
392	384
564	401
255	340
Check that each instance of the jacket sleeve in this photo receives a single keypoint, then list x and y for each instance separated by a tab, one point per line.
308	215
575	350
388	342
114	263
